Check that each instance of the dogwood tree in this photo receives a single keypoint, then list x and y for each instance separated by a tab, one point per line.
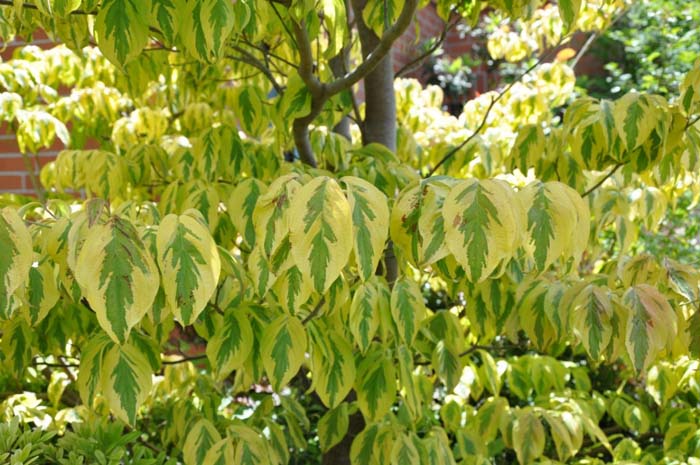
274	262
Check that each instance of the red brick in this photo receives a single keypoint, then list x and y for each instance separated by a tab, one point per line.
11	182
14	163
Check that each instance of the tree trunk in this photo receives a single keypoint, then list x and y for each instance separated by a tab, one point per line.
379	126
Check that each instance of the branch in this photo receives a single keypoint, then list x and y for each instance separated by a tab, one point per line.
314	312
691	121
495	99
602	180
411	65
251	60
184	360
380	51
306	59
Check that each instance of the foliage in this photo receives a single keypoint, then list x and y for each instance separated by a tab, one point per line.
650	48
177	272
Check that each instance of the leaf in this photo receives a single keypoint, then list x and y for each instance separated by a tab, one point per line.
635	119
126	380
651	324
592	312
16	346
205	26
164	14
118	276
228	349
370	223
282	349
409	385
271	215
42	292
15	259
364	317
221	453
333	366
528	148
448	365
375	385
480	226
407	308
333	426
121	30
363	445
89	381
319	223
567	433
63	8
293	289
528	436
552	221
568	10
190	264
404	451
296	100
199	440
417	222
241	205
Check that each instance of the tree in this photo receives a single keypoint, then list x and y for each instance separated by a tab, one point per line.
379	280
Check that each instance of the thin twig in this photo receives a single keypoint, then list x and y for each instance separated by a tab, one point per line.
411	65
602	180
194	358
494	100
692	121
314	312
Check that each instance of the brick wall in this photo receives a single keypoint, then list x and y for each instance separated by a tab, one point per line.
14	175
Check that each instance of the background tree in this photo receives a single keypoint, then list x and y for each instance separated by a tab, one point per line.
311	277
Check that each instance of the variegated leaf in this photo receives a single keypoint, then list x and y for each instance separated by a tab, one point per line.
118	276
189	261
282	349
404	451
375	385
320	219
121	29
126	380
271	214
164	15
528	436
228	349
528	148
205	26
199	440
293	289
15	259
592	311
448	365
333	366
551	221
417	222
364	317
635	119
221	453
370	222
651	324
16	346
42	292
89	382
480	225
333	426
241	205
407	308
